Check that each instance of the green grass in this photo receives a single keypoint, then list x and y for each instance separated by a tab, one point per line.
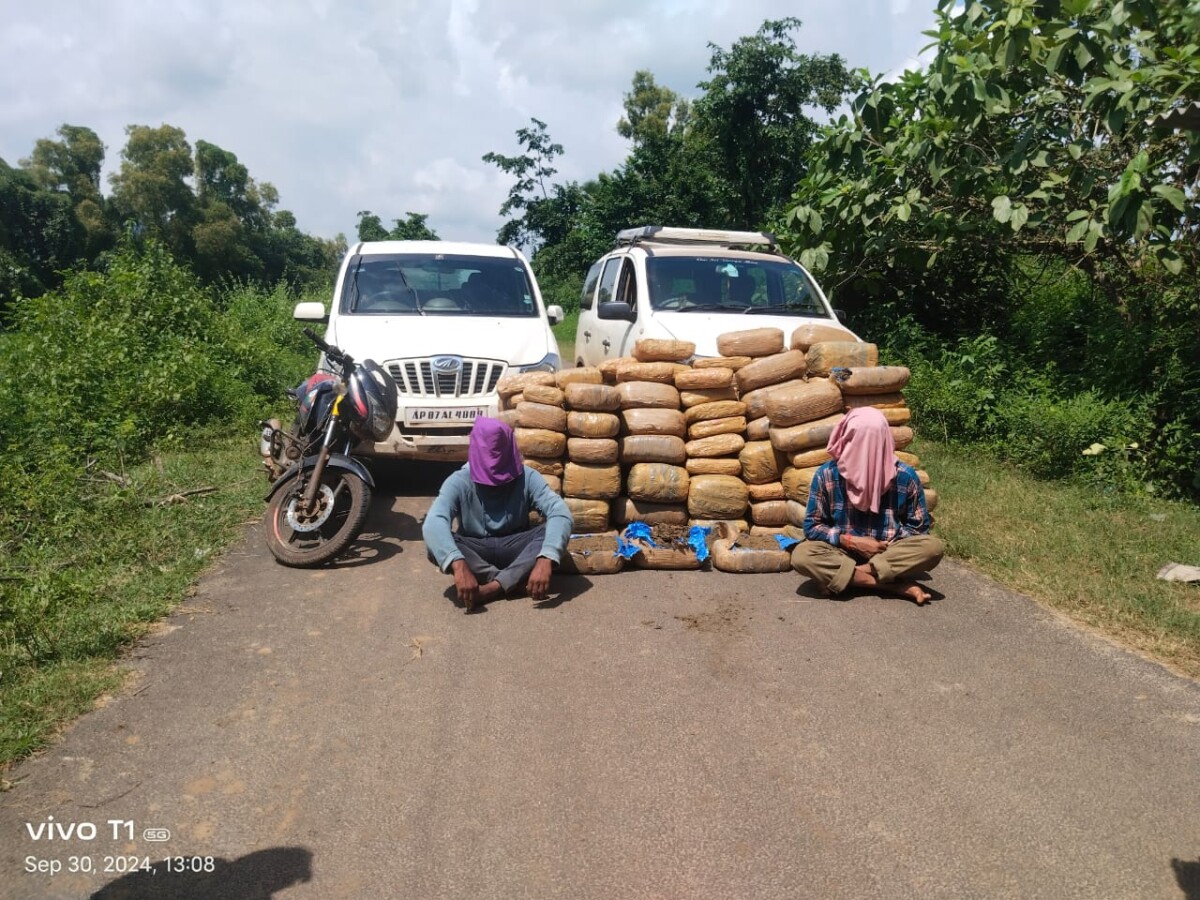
118	566
1090	555
564	331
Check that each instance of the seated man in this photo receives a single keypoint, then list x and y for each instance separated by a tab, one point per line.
867	524
494	549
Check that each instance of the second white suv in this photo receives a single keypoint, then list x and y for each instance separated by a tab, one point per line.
692	284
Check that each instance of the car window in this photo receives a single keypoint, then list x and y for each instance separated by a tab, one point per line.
627	286
437	284
589	287
722	284
608	281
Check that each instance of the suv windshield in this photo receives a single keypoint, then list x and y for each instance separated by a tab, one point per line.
437	284
723	284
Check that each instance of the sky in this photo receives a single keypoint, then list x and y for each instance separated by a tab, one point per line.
389	105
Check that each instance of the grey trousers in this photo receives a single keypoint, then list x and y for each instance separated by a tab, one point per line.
832	568
508	559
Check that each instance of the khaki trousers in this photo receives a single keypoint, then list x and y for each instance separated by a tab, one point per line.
832	568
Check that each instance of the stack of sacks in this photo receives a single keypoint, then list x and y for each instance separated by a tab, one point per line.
854	369
593	476
511	389
541	431
653	431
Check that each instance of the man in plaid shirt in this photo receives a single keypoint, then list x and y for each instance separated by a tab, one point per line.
866	523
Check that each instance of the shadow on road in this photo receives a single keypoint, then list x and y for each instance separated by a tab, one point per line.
1187	874
409	478
563	589
255	876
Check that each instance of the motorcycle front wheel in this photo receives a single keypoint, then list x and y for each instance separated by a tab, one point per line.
304	539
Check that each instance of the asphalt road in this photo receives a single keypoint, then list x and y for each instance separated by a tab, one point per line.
351	733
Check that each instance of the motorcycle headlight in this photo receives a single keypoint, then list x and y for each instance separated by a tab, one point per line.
549	363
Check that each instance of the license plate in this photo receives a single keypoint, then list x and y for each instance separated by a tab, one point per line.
442	415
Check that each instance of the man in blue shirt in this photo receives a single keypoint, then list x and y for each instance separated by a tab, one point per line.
495	550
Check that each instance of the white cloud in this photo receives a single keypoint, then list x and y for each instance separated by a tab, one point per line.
388	105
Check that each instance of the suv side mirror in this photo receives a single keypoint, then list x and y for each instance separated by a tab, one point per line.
616	309
555	313
310	311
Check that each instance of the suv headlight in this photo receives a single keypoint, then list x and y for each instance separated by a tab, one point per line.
549	363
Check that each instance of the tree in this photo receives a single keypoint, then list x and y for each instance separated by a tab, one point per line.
652	112
532	170
410	228
151	187
72	165
753	115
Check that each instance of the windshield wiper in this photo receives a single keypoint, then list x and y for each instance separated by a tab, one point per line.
708	308
787	307
411	290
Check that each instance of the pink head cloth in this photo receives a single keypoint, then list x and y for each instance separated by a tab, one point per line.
865	452
492	454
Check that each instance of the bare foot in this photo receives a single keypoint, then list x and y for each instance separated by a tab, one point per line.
914	592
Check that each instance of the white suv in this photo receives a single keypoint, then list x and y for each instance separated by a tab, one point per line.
692	284
447	321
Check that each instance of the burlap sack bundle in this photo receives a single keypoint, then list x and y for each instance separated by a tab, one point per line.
540	443
718	465
805	459
595	451
659	350
658	483
807	335
727	362
638	394
825	356
717	497
808	436
870	379
589	516
591	482
542	415
544	393
549	468
761	462
700	396
717	445
515	382
775	369
796	483
753	342
593	424
626	510
761	493
802	401
703	379
756	401
581	375
718	409
769	512
657	372
593	397
608	368
711	427
902	435
758	429
879	401
655	421
653	448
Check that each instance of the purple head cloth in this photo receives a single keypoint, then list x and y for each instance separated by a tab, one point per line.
492	453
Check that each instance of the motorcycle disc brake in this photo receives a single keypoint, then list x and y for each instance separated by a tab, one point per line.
299	522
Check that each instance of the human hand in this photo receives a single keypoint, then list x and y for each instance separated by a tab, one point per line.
539	579
864	546
465	583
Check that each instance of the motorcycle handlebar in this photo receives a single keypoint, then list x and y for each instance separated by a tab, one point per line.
331	352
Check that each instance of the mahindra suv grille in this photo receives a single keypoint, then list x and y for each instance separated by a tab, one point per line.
446	376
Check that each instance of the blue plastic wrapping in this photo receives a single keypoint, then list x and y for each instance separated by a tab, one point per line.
698	539
785	542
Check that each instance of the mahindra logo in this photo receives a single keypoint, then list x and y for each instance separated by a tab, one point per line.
447	363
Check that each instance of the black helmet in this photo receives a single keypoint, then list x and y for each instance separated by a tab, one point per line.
371	393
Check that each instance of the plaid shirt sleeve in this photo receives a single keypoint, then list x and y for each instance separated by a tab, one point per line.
912	515
824	520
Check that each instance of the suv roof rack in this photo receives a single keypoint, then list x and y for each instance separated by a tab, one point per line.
660	234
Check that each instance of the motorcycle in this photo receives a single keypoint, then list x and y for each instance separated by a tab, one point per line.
320	493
